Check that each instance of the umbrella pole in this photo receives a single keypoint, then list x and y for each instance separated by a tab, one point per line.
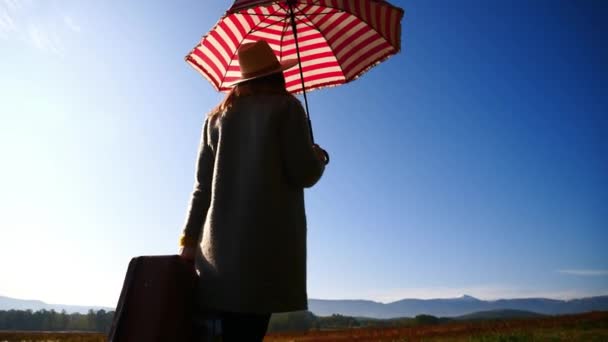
295	37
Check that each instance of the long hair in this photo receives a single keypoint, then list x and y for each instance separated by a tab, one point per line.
270	84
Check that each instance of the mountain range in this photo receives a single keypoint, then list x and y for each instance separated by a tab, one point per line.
8	303
451	307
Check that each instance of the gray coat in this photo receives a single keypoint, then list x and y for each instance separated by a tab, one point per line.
247	207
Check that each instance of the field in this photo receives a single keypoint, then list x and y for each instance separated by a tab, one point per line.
40	336
583	327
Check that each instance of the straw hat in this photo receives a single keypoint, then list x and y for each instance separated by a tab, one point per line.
257	60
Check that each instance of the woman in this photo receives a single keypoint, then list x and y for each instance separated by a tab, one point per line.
246	227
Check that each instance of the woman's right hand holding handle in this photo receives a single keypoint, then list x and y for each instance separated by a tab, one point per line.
321	154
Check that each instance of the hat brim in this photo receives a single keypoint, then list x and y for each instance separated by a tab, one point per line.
287	64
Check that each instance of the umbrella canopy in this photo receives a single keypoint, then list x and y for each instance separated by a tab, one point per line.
337	40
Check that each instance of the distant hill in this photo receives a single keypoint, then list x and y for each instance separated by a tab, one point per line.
7	303
453	307
499	314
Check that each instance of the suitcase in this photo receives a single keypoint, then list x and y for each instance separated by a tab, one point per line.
157	301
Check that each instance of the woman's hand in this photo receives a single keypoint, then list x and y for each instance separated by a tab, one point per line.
188	253
321	154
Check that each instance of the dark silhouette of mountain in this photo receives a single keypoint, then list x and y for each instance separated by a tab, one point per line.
453	307
7	303
499	314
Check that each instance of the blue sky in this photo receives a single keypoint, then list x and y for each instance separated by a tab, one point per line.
475	161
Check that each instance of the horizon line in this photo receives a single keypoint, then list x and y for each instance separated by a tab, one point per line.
351	299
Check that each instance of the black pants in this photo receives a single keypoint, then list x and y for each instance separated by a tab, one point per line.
244	327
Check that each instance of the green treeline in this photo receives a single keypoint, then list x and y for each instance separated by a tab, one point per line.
100	321
45	320
305	320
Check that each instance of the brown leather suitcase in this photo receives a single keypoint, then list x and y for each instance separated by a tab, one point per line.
157	301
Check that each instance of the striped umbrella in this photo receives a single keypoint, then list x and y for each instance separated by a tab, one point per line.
335	41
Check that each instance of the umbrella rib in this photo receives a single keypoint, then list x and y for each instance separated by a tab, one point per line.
324	38
286	26
241	43
305	23
363	21
286	9
324	13
269	15
282	37
256	29
286	13
266	16
301	11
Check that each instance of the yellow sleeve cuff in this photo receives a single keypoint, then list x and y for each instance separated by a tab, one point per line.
187	241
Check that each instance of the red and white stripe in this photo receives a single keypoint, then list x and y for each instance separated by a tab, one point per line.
338	39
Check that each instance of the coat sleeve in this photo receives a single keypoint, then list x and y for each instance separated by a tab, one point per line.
302	166
201	195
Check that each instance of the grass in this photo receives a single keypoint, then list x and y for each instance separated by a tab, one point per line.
51	336
583	327
590	327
